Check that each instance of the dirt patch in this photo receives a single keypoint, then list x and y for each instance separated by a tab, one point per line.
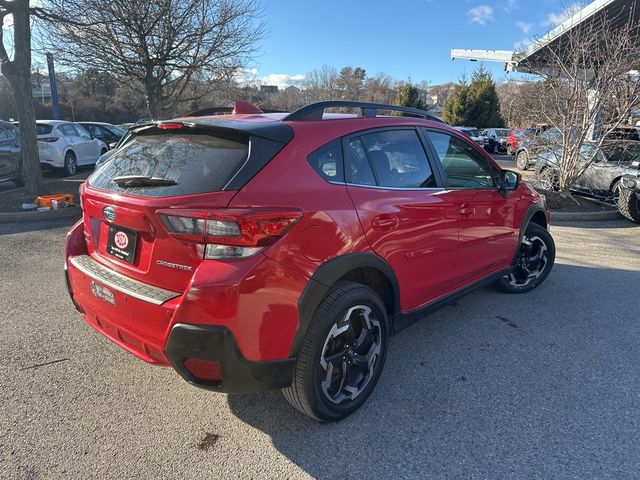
12	200
563	202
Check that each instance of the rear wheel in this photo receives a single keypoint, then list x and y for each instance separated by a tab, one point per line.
522	160
629	204
342	355
533	263
70	164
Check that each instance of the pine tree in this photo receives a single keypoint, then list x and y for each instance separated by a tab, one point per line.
409	96
483	108
455	107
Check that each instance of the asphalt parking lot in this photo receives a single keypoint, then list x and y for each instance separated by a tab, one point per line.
542	385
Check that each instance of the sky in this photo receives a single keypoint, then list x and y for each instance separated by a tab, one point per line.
407	39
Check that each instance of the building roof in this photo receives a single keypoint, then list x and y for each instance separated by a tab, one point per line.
618	12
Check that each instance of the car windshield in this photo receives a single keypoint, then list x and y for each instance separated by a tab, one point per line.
472	132
116	130
189	163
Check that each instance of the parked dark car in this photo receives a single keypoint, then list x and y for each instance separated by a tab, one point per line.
530	147
109	134
10	154
495	139
602	178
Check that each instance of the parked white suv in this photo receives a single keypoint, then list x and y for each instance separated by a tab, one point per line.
67	145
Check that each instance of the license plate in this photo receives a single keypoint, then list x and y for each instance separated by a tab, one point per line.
122	243
103	293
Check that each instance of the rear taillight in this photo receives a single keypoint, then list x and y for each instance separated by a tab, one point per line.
48	139
231	233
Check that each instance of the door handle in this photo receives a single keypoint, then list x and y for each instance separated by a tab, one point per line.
466	210
385	222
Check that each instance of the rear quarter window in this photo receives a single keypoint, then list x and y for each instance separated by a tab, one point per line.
327	161
42	129
198	163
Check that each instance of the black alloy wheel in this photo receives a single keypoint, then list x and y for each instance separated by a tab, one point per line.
342	354
533	262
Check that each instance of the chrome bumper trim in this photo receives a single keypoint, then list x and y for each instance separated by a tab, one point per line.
121	283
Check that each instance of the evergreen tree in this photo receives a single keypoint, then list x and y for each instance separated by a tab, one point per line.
483	104
455	107
409	96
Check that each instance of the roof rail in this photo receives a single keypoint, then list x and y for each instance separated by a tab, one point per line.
314	111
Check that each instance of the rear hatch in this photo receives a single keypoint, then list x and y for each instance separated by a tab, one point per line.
163	169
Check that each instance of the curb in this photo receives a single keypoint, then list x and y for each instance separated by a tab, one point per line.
70	212
561	217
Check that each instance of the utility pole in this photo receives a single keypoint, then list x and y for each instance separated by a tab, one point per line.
55	103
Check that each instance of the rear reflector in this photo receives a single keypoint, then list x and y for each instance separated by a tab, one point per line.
205	370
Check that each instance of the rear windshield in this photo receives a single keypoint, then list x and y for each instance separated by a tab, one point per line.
198	163
43	129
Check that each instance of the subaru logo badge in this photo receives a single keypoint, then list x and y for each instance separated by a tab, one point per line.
109	213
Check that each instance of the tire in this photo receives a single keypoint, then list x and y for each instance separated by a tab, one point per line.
350	312
510	151
533	263
522	160
629	204
70	164
103	151
616	191
548	180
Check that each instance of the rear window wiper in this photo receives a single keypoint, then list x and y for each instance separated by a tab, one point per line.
142	181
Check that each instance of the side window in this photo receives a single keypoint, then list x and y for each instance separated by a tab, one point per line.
4	135
327	161
463	165
67	130
92	129
398	159
81	131
357	164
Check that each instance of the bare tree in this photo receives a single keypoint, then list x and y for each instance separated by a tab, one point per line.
158	46
578	80
18	72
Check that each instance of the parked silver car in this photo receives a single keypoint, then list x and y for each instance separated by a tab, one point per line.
602	178
474	133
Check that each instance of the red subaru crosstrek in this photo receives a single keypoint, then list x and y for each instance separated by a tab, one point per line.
257	251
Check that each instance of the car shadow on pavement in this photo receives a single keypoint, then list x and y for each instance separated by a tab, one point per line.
493	386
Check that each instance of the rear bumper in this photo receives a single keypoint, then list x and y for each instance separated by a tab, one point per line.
218	344
245	324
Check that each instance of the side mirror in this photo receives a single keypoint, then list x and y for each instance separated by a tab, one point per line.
509	180
112	145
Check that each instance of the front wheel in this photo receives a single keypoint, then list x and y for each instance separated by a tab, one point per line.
533	262
342	354
629	204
